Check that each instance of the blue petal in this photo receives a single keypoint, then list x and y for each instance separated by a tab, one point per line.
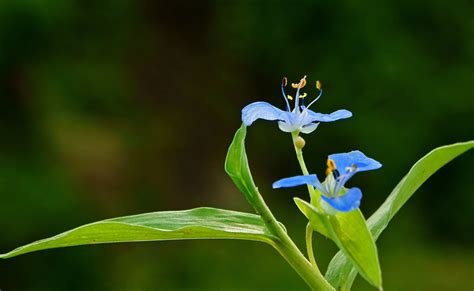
297	181
287	127
309	128
302	118
336	115
260	110
346	202
357	158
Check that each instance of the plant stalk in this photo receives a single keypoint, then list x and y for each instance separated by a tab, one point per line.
288	249
314	195
299	156
309	246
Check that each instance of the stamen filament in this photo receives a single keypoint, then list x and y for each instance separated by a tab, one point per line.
284	81
316	99
343	179
301	85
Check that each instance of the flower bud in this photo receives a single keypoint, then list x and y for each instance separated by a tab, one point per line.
299	142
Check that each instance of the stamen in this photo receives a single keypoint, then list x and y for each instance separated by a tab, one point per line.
328	172
331	164
331	167
341	181
284	81
318	85
350	171
299	86
304	83
319	96
302	99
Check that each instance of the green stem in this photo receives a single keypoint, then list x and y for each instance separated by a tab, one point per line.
299	156
288	249
314	195
309	245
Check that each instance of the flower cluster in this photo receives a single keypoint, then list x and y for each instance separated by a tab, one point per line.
340	167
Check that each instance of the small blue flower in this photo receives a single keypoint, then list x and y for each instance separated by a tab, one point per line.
341	167
300	119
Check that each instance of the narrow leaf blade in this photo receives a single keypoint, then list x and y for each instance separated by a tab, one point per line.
198	223
341	273
237	166
350	233
356	242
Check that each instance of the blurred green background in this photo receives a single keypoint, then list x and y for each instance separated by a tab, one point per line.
110	108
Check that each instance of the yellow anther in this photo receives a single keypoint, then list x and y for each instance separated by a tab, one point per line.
303	82
284	81
352	168
318	85
331	166
328	172
289	97
303	95
299	85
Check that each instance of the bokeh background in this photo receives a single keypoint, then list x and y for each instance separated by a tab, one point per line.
111	108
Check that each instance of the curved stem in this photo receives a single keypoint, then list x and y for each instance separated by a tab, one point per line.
315	196
288	249
309	245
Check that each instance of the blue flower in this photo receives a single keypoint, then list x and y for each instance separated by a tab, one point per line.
300	119
340	168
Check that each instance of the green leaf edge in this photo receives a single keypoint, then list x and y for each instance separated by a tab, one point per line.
239	171
105	230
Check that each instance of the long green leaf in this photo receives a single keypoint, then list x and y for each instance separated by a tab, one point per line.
237	166
340	272
198	223
350	233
